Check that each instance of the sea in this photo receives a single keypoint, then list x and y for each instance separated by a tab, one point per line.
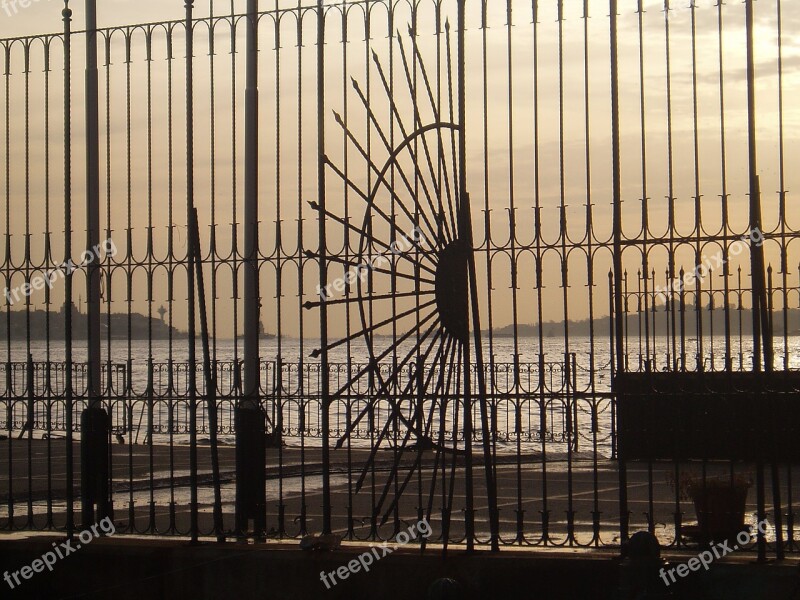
577	395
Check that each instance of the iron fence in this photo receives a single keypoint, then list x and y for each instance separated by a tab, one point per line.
437	236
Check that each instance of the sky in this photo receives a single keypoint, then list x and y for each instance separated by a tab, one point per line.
503	156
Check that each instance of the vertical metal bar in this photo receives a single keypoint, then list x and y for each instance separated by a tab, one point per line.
782	207
645	199
92	204
31	397
171	269
541	383
67	313
150	299
617	190
234	193
724	184
345	42
210	377
420	360
612	359
512	220
251	299
250	430
94	421
698	214
279	389
465	225
465	228
302	369
212	118
590	277
49	258
626	295
571	433
373	533
193	502
8	271
323	271
762	335
28	426
760	323
777	508
618	272
108	298
671	168
784	259
396	388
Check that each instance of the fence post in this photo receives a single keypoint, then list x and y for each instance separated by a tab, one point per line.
250	419
67	312
92	205
95	430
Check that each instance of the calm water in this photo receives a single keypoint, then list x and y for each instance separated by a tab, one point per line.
298	388
503	349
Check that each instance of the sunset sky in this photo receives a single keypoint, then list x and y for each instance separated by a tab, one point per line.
139	198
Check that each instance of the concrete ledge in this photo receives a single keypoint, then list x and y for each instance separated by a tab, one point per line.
124	568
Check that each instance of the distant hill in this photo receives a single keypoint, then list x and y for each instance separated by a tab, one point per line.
601	324
141	327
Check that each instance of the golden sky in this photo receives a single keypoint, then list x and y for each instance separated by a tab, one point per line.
139	196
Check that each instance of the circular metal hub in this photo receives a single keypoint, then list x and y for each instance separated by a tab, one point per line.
451	290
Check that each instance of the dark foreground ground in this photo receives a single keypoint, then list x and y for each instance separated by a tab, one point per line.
125	568
150	490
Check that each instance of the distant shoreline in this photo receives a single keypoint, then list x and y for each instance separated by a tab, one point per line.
40	325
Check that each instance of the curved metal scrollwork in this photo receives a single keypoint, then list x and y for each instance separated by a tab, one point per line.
412	294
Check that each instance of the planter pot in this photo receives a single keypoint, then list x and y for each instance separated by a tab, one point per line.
720	511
